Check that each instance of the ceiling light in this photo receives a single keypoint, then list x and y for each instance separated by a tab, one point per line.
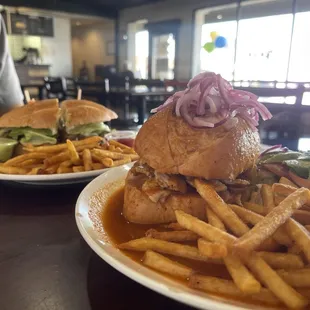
78	24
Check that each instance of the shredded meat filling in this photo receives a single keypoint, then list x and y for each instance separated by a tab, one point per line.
153	190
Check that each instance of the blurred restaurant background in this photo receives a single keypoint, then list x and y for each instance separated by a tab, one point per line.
131	55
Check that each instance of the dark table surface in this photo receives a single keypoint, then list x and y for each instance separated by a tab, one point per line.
46	265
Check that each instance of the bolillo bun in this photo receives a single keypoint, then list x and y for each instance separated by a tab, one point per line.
82	112
42	114
169	145
138	208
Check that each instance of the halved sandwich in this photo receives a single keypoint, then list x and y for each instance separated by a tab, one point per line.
35	123
83	118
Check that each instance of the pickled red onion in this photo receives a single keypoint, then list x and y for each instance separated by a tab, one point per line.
209	101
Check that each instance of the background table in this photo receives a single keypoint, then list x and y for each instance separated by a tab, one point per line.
46	265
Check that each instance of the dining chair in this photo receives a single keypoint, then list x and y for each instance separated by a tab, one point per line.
56	87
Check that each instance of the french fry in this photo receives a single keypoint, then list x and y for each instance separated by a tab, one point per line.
212	250
246	282
81	148
256	264
28	162
253	197
35	171
47	148
107	162
119	150
296	278
274	282
95	158
272	221
166	265
228	288
294	249
285	181
57	159
173	236
220	208
171	248
121	162
87	160
282	189
64	170
98	166
78	168
259	209
18	159
302	216
253	218
95	140
109	154
278	198
74	156
267	196
111	148
12	170
300	236
174	226
214	220
124	147
242	277
67	163
133	157
203	229
51	169
282	260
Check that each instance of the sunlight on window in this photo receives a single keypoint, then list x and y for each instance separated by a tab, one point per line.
306	98
304	144
141	54
300	60
263	48
220	60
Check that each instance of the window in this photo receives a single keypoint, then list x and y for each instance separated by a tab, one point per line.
265	41
263	48
299	69
141	54
138	49
219	60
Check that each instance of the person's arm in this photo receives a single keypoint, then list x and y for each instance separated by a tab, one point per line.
10	91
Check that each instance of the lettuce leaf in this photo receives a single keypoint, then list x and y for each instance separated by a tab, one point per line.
33	136
89	129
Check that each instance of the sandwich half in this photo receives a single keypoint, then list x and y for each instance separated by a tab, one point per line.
35	123
83	118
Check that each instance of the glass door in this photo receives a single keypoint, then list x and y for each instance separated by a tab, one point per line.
163	41
163	56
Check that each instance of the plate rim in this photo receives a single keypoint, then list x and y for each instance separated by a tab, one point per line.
148	282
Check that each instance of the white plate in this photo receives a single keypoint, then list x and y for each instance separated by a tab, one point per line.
90	204
54	179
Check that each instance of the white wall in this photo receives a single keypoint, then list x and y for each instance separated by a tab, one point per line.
167	10
56	51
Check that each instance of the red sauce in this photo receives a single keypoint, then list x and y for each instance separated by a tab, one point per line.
127	141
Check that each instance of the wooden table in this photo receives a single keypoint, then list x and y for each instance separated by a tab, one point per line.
39	86
46	265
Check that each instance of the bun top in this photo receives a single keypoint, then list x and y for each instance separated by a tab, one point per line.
170	145
42	114
81	112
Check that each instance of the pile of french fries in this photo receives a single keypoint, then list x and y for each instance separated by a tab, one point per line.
92	153
264	248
